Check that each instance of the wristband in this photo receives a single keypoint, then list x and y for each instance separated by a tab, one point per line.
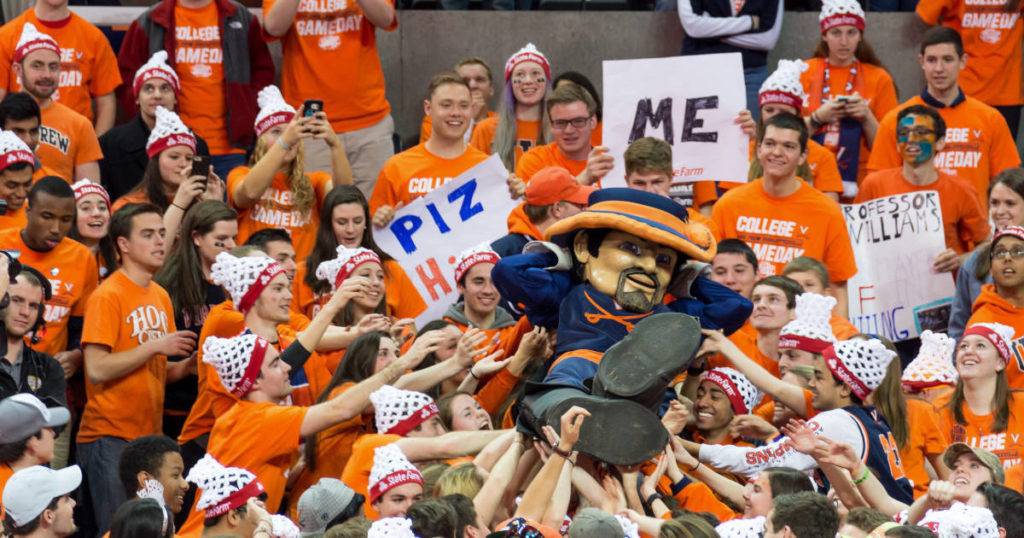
178	206
694	468
863	477
652	497
473	375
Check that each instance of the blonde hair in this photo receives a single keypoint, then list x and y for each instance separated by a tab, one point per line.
462	478
299	183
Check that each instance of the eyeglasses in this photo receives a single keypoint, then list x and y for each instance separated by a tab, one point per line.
579	123
1015	253
919	131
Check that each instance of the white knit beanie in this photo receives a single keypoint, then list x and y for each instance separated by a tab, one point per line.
529	53
741	528
168	131
398	411
961	521
933	365
783	86
32	40
237	360
742	394
347	261
390	469
1000	335
840	13
224	488
273	110
391	527
244	278
13	151
282	527
810	330
466	259
860	364
156	67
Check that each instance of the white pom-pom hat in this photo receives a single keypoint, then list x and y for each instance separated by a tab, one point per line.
348	260
933	365
468	258
1000	335
741	528
810	330
168	131
244	278
841	13
237	360
529	53
282	527
742	394
224	488
783	86
860	364
273	110
398	411
13	151
32	40
961	521
391	469
85	187
391	527
156	67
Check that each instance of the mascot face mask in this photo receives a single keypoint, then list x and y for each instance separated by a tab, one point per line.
635	271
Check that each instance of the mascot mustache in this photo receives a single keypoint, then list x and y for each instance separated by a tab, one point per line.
638	301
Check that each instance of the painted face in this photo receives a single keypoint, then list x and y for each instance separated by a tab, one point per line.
757	497
397	500
349	224
529	83
1005	207
93	218
1008	263
977	358
916	139
220	239
789	358
712	407
656	182
634	271
386	354
468	415
968	474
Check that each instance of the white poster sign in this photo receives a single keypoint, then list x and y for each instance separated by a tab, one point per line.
426	235
691	102
895	293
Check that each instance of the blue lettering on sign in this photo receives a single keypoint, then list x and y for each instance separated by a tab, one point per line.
442	226
882	324
405	227
468	208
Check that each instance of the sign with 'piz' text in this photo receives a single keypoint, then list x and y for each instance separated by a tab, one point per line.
691	102
426	235
895	293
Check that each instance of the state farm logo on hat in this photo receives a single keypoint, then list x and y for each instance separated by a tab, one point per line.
391	469
13	150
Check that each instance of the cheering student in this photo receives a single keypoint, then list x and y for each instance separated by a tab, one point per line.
721	395
128	334
124	146
782	217
572	112
1005	208
275	191
231	504
522	121
71	151
648	163
277	244
154	458
812	275
920	136
394	482
92	225
480	80
1002	301
978	143
17	168
775	301
848	90
735	267
442	157
345	221
38	501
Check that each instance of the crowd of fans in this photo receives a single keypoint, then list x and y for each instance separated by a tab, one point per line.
204	339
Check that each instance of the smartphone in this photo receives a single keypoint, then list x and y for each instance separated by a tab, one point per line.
311	106
201	166
844	99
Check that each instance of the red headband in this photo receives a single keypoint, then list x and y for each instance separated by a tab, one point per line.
256	288
1009	231
156	72
842	19
252	370
998	341
92	188
838	369
17	156
235	500
352	264
41	43
393	480
521	57
803	343
175	139
780	98
729	388
270	121
468	262
406	425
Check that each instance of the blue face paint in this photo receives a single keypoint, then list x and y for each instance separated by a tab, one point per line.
915	139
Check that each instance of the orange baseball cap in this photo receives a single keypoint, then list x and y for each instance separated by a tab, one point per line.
553	184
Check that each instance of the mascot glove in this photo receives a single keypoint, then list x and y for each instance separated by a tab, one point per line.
680	285
564	261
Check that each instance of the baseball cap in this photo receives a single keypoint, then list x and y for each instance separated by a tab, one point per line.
321	503
555	184
594	523
986	458
22	415
29	491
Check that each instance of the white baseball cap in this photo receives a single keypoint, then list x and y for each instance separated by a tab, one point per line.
29	491
22	415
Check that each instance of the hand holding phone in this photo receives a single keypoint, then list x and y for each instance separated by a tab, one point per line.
311	106
201	166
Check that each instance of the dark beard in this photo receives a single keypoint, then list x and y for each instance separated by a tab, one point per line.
635	301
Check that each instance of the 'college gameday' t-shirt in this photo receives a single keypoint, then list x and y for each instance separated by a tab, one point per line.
415	172
199	62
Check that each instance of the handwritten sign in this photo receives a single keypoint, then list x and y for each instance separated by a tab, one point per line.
426	235
895	294
691	102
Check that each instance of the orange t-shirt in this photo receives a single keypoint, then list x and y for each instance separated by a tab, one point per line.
88	67
213	399
805	223
527	132
963	223
745	339
121	315
402	298
357	470
992	41
822	162
547	155
872	83
73	276
335	33
276	209
842	329
1008	445
925	440
5	474
260	437
989	307
14	218
134	196
199	62
979	145
66	139
427	127
415	172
